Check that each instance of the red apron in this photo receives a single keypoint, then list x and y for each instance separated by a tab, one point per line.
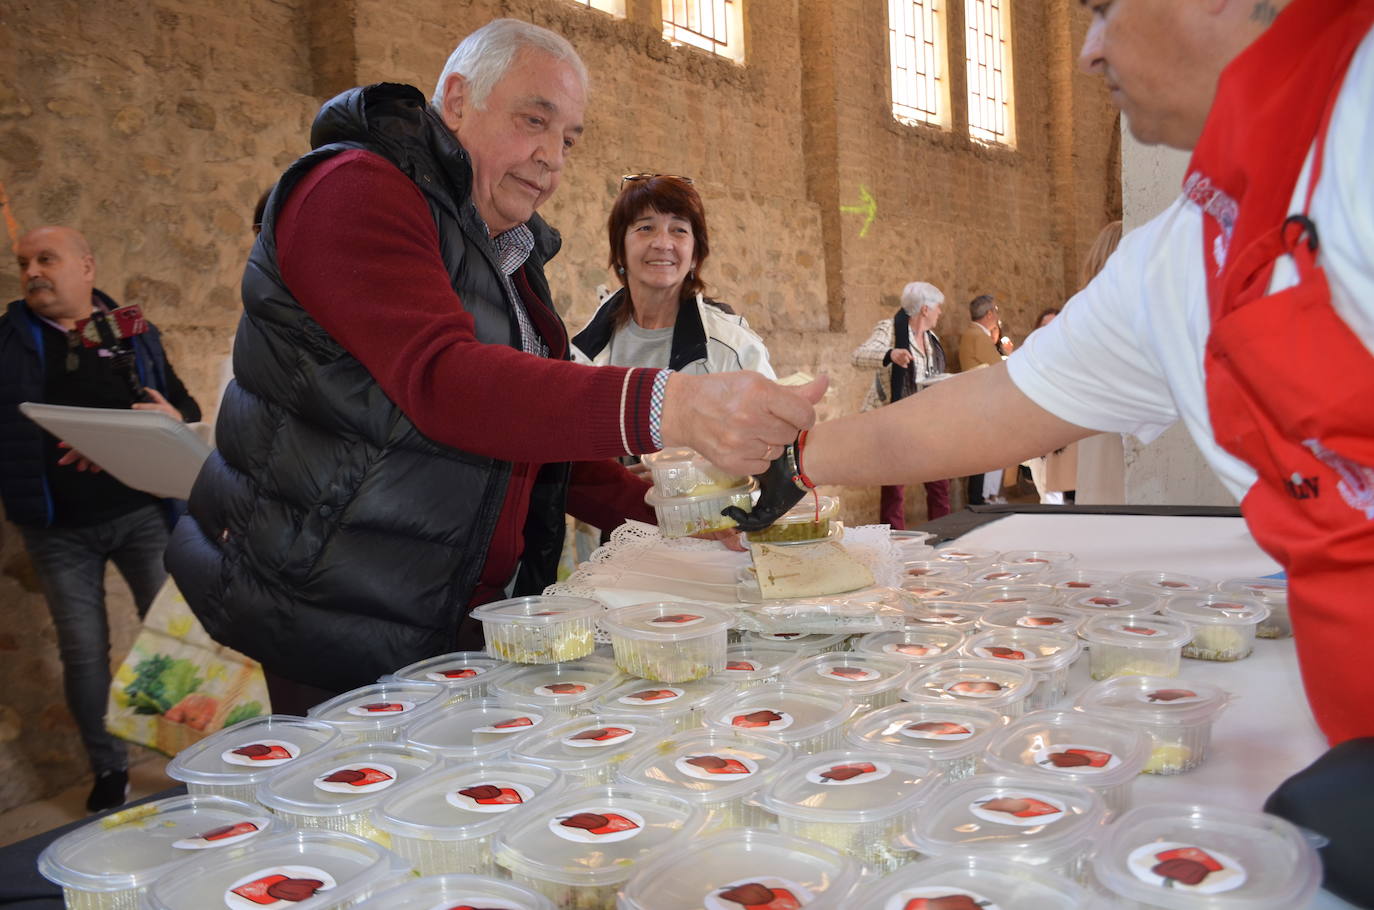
1290	387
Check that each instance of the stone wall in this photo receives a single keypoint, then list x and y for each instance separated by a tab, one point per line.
154	126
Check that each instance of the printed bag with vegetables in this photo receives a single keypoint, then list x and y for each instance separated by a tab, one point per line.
177	686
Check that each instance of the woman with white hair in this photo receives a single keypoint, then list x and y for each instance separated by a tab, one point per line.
905	353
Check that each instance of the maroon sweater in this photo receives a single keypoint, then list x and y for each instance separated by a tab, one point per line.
358	249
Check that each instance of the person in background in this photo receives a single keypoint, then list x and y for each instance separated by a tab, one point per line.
982	345
1055	474
904	352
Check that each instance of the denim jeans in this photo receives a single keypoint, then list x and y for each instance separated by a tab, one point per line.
70	564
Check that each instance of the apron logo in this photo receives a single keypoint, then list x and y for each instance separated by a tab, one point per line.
1356	485
1300	487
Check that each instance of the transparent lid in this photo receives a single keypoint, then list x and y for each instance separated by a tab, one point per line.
969	556
589	741
1070	581
1166	583
850	673
665	621
740	868
1032	616
346	780
937	589
852	786
380	706
749	661
1054	560
459	670
1146	631
1154	700
941	731
986	882
944	614
539	611
1273	591
134	847
992	684
1217	609
934	568
701	494
593	836
997	595
1176	855
465	801
1035	649
1028	819
679	470
918	644
572	682
784	711
249	751
708	766
1070	745
801	642
453	891
1006	573
479	728
1113	601
810	509
322	868
654	701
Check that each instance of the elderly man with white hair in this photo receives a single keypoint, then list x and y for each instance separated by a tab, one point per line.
404	432
904	352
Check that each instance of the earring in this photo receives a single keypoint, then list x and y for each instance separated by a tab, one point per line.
620	270
690	274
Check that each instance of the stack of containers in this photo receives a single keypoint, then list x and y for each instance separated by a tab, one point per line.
483	728
457	891
234	761
869	680
668	642
1273	592
559	690
952	736
969	882
1223	624
1135	645
809	520
689	493
1046	655
750	664
1177	715
465	674
999	686
805	718
674	707
587	750
376	713
539	630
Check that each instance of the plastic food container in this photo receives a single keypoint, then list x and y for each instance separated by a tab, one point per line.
562	689
999	685
109	863
578	849
1074	747
943	614
1076	581
1165	584
1051	825
1144	645
1113	601
587	750
869	680
680	471
752	664
930	569
1176	714
1046	654
1033	616
967	556
854	800
737	869
1180	856
337	789
968	882
441	892
919	645
802	643
444	821
949	735
1054	560
234	761
465	674
999	595
481	728
1005	573
668	642
697	513
1273	593
540	630
927	589
807	719
377	713
1223	624
675	707
721	772
325	869
810	519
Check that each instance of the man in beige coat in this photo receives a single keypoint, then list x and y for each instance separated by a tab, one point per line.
979	347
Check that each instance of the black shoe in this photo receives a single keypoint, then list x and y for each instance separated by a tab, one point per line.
110	790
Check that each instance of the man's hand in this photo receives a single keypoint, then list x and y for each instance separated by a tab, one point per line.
900	357
740	421
158	403
74	457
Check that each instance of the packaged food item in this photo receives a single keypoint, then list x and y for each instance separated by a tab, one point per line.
444	821
109	863
540	630
869	680
481	728
919	645
750	664
853	800
934	589
324	869
682	706
1072	746
1180	856
722	772
376	713
337	789
465	674
807	719
455	892
1049	825
967	556
1165	584
999	595
1113	601
562	689
1047	655
1057	561
234	761
1177	715
999	685
809	520
1273	593
1005	573
587	750
933	569
944	614
868	609
1032	616
1135	645
680	471
668	642
802	643
1223	624
969	882
952	736
744	868
698	513
579	848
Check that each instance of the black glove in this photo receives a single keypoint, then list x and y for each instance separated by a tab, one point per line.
780	488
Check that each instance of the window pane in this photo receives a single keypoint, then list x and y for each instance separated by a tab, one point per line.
614	7
712	25
989	70
915	50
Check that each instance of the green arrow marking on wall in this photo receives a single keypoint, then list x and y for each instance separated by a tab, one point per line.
868	207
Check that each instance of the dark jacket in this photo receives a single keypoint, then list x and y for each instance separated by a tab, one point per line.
327	537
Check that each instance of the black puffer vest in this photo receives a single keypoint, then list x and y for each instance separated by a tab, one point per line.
327	537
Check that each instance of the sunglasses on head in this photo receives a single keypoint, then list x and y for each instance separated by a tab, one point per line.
631	178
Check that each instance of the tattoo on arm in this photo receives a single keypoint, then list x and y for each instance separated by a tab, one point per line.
1264	13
